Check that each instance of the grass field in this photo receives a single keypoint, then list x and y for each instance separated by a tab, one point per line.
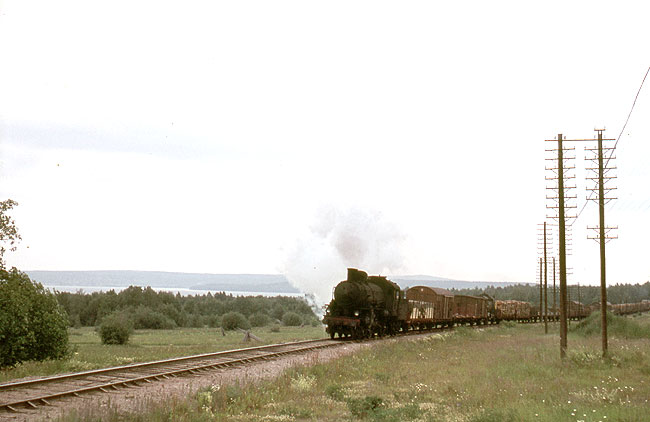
505	373
87	351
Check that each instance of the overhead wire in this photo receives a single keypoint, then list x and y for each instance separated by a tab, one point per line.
616	143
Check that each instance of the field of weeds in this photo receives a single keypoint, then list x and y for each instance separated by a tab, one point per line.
505	373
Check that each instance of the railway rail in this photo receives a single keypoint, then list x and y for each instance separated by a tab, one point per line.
26	394
33	393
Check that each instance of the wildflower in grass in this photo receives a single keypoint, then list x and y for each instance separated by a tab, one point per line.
303	382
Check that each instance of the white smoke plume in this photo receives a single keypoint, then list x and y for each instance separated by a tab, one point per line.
340	239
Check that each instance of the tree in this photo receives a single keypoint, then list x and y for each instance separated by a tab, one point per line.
8	232
33	326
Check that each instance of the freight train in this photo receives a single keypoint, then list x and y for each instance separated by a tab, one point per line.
366	306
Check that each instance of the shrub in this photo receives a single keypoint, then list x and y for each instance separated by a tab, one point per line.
259	319
32	324
147	318
234	320
291	319
116	328
275	329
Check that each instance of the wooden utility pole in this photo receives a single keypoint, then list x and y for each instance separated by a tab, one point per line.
545	285
562	233
562	229
602	238
561	217
554	294
540	290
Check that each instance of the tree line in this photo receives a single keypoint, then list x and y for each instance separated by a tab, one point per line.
617	293
147	308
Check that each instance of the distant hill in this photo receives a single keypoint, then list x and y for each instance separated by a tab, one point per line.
263	283
446	283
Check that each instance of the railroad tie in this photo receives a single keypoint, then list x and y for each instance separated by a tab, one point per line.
32	405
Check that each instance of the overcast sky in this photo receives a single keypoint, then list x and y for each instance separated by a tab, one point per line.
303	137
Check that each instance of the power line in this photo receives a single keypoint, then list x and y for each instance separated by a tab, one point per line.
616	143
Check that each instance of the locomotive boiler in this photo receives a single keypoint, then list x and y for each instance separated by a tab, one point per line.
364	306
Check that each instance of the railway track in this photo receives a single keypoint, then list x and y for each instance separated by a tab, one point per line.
33	393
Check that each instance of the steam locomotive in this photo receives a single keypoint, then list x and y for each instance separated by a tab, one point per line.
366	306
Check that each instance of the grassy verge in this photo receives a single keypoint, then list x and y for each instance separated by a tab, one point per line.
87	351
506	373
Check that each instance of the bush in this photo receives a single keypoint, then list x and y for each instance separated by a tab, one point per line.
147	318
291	319
32	324
234	320
116	328
259	319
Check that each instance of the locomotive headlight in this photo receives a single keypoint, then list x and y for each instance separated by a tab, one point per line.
356	313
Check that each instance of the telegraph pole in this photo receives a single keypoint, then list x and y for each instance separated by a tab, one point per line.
545	285
554	294
561	238
602	238
540	290
561	197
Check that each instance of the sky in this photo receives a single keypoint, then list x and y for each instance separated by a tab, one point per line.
303	137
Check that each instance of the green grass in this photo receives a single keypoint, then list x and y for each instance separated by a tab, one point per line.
87	351
495	374
634	326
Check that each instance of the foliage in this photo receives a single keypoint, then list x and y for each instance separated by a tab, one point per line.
144	317
259	319
32	324
164	310
234	320
291	319
8	231
618	293
115	328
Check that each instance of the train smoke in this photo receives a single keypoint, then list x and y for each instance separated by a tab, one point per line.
340	239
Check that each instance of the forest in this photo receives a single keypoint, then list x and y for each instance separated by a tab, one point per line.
148	308
617	293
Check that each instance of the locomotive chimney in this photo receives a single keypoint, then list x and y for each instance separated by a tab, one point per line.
357	275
